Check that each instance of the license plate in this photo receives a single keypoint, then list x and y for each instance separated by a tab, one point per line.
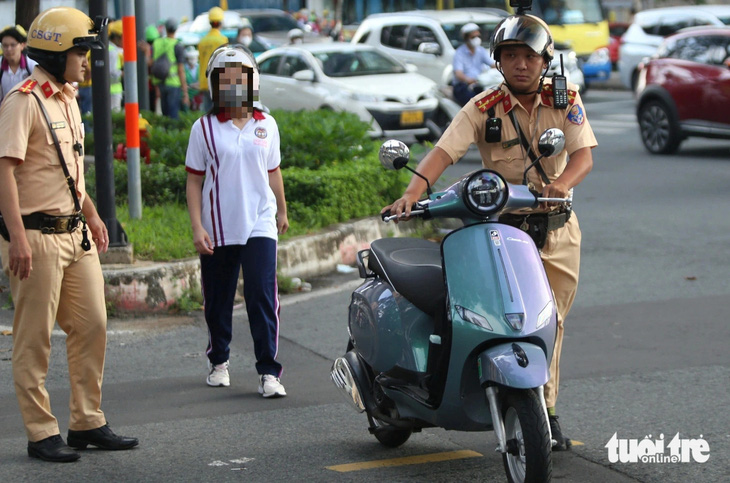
411	118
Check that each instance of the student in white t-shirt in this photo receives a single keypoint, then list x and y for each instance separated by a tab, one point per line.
15	66
237	207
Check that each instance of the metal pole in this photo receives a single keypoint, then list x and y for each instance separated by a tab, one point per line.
103	158
142	78
131	109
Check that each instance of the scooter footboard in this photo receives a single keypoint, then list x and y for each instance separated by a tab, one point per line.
521	365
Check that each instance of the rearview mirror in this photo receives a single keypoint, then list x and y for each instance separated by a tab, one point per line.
394	154
304	75
429	48
551	142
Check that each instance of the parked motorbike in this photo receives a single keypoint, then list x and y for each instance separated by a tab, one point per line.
457	335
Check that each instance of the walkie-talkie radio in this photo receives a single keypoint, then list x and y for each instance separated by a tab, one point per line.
560	88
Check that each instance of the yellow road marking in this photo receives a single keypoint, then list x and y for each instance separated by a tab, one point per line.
577	443
409	460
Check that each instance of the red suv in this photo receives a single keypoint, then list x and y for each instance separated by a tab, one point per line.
684	90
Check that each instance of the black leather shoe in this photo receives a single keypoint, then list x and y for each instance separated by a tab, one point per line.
102	438
52	449
560	442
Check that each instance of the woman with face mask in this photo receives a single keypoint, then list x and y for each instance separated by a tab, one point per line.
237	208
470	60
245	35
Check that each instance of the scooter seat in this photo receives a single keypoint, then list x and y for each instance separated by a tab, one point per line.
413	267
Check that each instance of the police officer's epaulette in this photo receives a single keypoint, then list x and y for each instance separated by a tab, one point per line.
489	100
28	86
547	95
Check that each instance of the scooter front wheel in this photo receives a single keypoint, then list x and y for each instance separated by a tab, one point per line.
529	456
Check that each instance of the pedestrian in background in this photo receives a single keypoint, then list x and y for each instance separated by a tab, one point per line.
53	267
15	65
245	34
174	88
207	45
191	76
116	65
150	35
237	207
84	93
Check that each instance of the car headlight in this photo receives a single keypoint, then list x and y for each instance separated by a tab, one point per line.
361	97
485	192
599	56
472	317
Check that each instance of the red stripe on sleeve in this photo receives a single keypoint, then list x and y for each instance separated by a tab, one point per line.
194	171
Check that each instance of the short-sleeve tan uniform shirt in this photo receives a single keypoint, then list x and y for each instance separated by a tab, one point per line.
25	136
507	156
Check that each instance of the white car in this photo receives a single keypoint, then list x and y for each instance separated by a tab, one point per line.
345	77
650	27
424	38
429	38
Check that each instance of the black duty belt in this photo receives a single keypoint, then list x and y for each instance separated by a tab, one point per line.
537	225
49	224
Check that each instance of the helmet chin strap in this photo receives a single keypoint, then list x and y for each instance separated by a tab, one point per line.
524	93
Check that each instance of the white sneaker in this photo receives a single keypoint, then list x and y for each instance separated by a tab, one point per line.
270	386
218	375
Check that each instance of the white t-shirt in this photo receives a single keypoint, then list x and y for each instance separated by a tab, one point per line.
237	201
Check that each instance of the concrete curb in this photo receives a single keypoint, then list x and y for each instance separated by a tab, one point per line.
147	287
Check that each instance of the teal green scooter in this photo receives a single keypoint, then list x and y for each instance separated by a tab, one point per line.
457	335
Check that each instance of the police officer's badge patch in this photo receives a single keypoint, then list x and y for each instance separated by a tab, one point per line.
576	115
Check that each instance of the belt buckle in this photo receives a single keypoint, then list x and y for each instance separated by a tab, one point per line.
62	224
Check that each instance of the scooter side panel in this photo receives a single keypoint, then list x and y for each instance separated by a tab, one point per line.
387	330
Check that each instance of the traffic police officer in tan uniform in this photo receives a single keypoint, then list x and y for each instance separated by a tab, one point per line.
522	47
53	267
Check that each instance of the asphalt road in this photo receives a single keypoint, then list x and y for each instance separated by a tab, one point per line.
645	355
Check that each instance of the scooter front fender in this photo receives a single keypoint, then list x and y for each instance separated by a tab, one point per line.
521	365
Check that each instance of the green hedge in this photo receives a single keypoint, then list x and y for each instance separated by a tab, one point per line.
329	164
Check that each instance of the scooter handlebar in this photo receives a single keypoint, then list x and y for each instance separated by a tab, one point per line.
554	200
386	216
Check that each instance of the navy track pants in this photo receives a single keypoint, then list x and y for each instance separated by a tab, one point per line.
257	259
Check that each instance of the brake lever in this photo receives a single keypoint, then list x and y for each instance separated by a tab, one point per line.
388	217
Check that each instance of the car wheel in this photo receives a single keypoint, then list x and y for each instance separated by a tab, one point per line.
634	80
659	129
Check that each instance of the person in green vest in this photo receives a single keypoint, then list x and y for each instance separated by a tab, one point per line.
174	89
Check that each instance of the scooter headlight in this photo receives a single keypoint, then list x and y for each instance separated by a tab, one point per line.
544	316
485	192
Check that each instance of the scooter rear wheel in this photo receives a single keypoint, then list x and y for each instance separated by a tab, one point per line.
529	455
390	436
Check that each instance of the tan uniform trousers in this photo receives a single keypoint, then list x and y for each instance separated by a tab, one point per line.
561	258
65	285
